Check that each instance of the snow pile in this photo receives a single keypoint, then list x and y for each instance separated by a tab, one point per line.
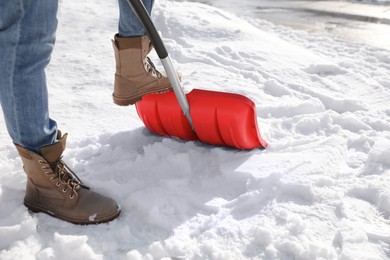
320	191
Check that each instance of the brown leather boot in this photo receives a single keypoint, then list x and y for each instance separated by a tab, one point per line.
135	74
54	189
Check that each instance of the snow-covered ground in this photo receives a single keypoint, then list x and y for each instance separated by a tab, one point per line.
372	1
320	191
357	22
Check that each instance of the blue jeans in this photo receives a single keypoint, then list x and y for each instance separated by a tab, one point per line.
27	36
129	25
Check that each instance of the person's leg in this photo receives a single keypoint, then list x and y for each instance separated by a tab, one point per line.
135	74
129	25
27	34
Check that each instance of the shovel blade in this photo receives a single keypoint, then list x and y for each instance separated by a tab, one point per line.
219	118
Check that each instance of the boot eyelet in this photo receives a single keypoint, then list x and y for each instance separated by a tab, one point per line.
71	196
58	184
64	190
52	178
46	173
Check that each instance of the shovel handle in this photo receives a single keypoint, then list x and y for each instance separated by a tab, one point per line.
146	21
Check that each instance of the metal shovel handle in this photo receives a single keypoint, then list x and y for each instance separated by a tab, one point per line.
141	12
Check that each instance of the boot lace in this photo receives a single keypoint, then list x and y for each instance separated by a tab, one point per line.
64	176
152	69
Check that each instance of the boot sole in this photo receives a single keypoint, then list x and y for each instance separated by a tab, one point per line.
38	209
126	101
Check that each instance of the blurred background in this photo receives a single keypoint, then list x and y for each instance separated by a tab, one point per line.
365	22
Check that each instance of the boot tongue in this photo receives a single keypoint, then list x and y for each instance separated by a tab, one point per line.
53	152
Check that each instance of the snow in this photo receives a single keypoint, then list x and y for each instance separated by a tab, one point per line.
320	191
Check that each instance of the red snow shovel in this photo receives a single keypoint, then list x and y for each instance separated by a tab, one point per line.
216	118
